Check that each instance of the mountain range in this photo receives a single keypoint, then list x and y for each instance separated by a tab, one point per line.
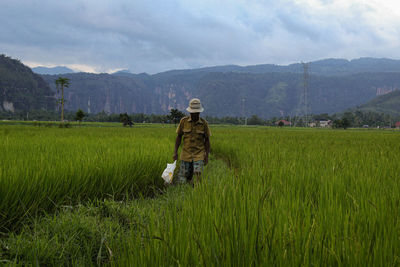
327	67
21	89
265	90
52	70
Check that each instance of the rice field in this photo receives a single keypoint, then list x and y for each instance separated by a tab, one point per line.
93	196
43	168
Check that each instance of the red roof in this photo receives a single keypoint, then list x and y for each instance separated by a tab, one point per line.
285	122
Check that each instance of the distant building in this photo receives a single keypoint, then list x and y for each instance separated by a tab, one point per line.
365	126
324	124
397	125
285	122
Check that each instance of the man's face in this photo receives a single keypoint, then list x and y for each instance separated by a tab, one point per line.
195	116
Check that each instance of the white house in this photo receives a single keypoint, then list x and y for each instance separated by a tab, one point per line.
324	124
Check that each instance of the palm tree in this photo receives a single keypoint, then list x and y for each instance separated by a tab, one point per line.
62	82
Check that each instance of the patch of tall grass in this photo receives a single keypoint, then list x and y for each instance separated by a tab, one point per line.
291	197
269	197
43	168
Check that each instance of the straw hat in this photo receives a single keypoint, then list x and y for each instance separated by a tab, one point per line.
195	106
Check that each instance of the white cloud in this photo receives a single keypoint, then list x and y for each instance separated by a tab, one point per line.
159	35
75	67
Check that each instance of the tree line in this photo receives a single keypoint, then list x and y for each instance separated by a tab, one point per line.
340	120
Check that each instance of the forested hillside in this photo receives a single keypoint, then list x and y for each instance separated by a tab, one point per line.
274	94
263	90
94	93
224	94
21	89
325	67
388	104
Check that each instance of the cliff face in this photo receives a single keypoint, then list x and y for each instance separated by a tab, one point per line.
21	89
264	90
94	93
223	94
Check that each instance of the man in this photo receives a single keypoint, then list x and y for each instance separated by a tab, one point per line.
196	143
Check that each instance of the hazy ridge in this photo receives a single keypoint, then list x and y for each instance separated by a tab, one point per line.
266	90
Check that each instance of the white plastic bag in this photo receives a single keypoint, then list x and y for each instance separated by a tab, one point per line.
168	173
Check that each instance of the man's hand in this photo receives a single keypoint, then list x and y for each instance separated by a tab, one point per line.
206	159
177	144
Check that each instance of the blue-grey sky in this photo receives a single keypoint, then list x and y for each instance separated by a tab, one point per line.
157	35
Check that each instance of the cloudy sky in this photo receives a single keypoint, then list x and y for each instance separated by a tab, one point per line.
157	35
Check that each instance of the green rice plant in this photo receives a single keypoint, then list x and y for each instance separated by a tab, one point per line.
292	197
43	168
282	197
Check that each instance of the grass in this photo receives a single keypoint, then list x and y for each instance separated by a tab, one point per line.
269	197
43	168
